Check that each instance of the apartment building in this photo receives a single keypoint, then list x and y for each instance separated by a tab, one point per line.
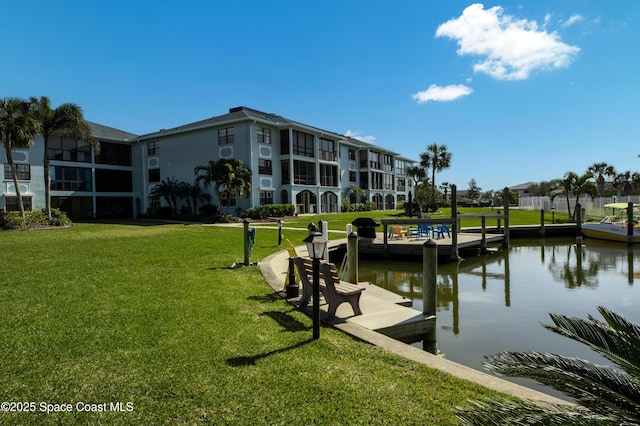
291	162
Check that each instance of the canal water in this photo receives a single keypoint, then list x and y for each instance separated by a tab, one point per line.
496	302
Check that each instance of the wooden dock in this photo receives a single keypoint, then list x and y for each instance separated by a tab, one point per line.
413	246
382	310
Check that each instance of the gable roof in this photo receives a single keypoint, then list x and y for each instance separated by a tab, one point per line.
109	133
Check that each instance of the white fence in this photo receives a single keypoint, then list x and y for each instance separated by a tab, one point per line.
592	206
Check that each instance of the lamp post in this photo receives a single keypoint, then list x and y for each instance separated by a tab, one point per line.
316	244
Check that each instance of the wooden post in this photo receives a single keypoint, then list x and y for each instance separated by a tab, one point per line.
429	276
630	223
316	298
542	231
352	258
455	224
247	243
385	239
578	213
483	241
324	228
505	198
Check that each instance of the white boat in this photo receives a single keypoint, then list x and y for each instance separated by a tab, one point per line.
615	227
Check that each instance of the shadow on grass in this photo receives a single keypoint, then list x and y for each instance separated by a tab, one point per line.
243	361
270	297
286	321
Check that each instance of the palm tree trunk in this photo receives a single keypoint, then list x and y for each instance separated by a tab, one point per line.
14	173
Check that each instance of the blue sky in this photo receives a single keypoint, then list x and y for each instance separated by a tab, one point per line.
518	91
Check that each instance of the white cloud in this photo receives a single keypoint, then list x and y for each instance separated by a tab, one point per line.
442	94
356	135
569	22
512	48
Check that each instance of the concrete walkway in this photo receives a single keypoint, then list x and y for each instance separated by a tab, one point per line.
378	307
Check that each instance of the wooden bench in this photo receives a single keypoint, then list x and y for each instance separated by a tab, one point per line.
335	292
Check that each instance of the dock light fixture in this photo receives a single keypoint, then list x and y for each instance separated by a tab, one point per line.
316	244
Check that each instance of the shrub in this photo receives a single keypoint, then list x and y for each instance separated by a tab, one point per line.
13	220
280	210
256	213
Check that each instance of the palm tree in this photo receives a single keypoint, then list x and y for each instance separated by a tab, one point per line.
437	158
573	184
601	170
169	190
66	120
611	395
193	194
563	187
18	129
228	177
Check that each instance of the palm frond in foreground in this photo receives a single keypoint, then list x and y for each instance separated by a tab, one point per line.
609	395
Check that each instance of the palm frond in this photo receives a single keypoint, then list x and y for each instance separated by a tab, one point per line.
618	339
507	412
601	388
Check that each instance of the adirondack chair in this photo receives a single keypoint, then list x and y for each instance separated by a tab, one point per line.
340	291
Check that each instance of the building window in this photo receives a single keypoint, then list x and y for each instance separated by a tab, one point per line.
153	148
284	169
266	197
284	141
364	180
24	171
264	167
388	163
225	136
327	150
154	175
115	154
11	203
303	144
388	182
401	184
352	155
328	175
401	167
353	177
376	180
264	135
67	149
70	179
108	180
374	160
304	173
228	202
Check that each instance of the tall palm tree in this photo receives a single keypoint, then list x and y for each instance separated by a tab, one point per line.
18	129
66	120
611	395
563	187
437	158
228	176
600	170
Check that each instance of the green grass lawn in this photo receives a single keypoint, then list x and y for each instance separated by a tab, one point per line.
154	316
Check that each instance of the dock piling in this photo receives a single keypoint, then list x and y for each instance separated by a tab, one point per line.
429	276
352	257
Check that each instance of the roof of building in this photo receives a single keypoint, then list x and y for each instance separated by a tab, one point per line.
244	113
109	133
522	186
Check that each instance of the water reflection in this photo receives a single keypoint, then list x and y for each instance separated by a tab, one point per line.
495	302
